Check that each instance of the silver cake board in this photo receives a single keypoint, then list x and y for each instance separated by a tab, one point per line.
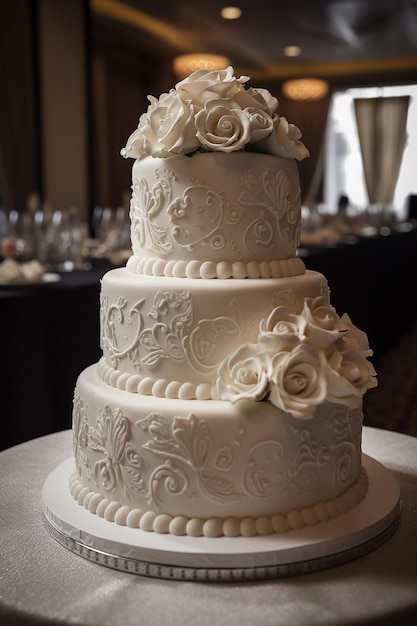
313	548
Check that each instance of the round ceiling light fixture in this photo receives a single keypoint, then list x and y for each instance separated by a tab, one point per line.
231	13
305	89
292	51
185	64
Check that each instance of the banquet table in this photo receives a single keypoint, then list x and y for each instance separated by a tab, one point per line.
372	279
49	333
41	582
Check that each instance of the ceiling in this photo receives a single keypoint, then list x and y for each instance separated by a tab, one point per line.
336	36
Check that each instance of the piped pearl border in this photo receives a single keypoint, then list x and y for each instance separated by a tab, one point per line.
210	269
180	525
159	388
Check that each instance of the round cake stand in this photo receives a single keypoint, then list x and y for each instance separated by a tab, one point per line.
347	537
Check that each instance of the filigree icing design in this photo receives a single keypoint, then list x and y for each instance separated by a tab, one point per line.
302	475
145	204
262	475
196	216
259	232
272	192
310	454
120	463
207	347
80	437
234	213
287	297
226	456
266	191
173	313
185	442
342	474
341	424
115	318
167	479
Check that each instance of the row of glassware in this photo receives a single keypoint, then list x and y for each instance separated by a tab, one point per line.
61	240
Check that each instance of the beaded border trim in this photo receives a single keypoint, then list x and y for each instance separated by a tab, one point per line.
163	523
210	269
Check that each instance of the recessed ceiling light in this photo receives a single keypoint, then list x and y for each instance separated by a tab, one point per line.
230	13
185	64
305	89
292	51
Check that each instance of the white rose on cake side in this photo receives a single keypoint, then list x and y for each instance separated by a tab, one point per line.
300	360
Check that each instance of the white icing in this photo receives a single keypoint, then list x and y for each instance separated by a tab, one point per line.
230	527
168	336
215	215
210	459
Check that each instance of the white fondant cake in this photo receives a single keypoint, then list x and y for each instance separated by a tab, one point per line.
228	400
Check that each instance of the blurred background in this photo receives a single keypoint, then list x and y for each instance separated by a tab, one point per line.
75	76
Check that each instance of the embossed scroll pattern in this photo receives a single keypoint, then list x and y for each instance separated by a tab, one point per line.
201	216
157	458
166	330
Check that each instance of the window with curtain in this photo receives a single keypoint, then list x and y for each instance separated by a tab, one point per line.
344	170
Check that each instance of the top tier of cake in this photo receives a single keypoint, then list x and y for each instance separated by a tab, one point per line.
215	187
215	215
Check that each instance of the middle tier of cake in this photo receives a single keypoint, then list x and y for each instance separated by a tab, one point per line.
166	336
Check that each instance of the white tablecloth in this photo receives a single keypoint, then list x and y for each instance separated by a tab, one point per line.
43	583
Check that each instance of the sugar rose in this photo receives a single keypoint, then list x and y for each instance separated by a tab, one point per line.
213	111
324	326
284	141
256	98
169	127
204	85
222	126
298	383
245	374
354	337
281	330
350	378
134	147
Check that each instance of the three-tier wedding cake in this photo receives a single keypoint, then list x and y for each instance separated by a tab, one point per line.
228	399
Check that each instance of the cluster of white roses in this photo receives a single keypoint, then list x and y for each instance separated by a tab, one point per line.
301	360
214	111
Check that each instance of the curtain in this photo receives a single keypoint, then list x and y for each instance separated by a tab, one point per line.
19	138
311	119
381	126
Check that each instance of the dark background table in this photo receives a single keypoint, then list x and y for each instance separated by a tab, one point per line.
50	333
374	281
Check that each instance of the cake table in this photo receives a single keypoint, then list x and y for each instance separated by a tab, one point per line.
42	582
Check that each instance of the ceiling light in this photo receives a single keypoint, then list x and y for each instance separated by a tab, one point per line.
230	13
292	51
305	89
185	64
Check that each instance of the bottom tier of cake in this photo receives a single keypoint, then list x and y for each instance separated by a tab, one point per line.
211	468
